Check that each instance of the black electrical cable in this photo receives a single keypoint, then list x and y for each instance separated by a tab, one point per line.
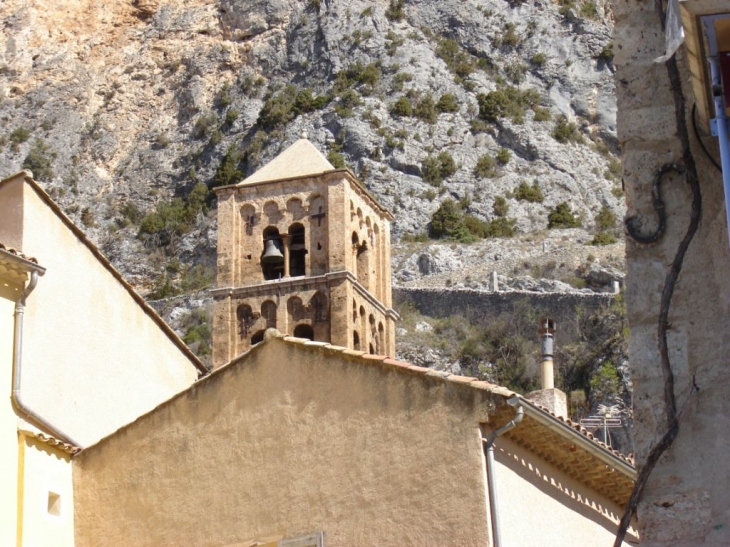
699	140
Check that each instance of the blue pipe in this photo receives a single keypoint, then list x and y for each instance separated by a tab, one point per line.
720	118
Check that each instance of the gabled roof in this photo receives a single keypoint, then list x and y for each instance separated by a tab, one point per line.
301	159
560	442
28	179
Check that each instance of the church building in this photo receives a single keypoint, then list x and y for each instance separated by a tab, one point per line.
303	248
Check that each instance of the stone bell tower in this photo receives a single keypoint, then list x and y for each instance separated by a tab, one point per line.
304	248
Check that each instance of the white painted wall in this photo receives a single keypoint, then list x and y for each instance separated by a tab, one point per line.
93	360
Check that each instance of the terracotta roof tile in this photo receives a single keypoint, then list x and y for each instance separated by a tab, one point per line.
334	348
437	374
416	368
461	379
372	357
52	441
315	343
481	384
17	253
583	431
395	363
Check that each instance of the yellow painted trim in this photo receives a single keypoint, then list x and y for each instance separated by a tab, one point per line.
21	488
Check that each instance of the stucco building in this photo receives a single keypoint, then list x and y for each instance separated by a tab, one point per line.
82	355
296	438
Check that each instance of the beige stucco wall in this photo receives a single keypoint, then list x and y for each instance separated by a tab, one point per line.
288	442
540	505
93	360
45	472
8	420
686	501
292	439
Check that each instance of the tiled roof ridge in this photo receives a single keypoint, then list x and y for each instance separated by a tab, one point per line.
18	253
55	443
403	366
628	458
457	379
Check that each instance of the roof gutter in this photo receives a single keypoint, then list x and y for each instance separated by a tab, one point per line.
17	398
578	438
488	444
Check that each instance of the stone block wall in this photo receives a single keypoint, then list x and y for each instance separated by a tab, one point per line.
686	500
481	307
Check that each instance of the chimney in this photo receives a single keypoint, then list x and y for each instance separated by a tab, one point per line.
547	396
546	331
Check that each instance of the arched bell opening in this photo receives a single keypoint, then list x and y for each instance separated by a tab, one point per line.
246	319
363	265
297	250
355	341
257	337
380	341
272	259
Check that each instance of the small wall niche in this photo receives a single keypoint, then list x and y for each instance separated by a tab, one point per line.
54	504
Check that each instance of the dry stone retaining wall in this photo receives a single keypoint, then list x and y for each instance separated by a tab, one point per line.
482	306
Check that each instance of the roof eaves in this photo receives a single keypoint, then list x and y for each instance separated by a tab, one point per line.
573	431
15	266
52	441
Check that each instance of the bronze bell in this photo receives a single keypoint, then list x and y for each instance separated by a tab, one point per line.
272	254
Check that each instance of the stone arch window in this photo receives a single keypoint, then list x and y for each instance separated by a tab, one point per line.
381	339
295	308
304	331
373	335
258	337
355	245
297	250
272	212
319	305
268	312
371	349
272	269
246	319
355	341
363	265
354	311
248	218
295	208
352	211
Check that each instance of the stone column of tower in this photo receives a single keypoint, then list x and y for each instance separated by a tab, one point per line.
305	249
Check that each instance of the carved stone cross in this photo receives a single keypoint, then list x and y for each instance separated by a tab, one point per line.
319	216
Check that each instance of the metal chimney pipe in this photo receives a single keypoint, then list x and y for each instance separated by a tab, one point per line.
546	330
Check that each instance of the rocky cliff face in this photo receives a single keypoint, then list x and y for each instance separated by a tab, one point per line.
129	111
119	106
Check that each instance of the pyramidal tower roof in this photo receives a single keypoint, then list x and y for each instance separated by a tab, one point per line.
301	159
